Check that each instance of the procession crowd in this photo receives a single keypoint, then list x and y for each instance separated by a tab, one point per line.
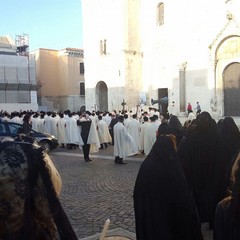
191	173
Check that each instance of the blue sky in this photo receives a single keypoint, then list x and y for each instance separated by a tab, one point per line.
54	24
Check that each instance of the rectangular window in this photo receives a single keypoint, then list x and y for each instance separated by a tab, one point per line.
160	14
82	89
101	47
81	65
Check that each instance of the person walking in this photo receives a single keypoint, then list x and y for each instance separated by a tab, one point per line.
88	136
150	134
134	130
171	108
142	132
114	120
27	127
124	144
204	159
61	128
72	132
227	217
103	133
189	107
198	108
163	204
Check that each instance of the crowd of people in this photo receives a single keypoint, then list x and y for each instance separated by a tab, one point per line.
191	173
190	176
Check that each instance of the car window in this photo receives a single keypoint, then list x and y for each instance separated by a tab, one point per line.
2	129
14	128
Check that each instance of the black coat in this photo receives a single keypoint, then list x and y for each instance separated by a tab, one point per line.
85	129
162	201
226	226
205	162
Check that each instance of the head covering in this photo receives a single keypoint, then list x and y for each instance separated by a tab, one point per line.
204	161
177	128
227	215
162	201
230	135
29	178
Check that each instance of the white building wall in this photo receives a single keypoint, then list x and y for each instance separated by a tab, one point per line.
190	35
104	20
188	30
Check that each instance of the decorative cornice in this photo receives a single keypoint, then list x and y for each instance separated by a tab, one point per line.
230	21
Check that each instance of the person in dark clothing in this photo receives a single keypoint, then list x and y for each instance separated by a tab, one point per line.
205	161
163	206
26	127
164	129
111	125
227	215
85	124
176	127
230	135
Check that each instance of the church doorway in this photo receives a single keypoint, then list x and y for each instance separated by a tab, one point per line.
102	96
231	81
163	100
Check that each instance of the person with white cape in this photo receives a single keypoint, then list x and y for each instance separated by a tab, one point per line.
124	144
89	140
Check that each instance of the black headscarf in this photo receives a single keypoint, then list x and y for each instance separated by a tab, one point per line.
230	135
227	216
24	152
162	201
177	128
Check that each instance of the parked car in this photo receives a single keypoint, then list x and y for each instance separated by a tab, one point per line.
10	129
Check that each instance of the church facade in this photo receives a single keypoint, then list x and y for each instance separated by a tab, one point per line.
147	51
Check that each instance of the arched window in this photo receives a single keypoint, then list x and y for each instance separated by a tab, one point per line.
160	14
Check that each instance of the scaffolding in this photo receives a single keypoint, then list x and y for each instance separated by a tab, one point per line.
22	43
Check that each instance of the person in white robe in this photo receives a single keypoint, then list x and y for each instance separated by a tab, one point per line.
191	115
150	135
47	128
126	121
41	123
35	121
171	108
143	127
124	144
61	128
73	137
88	135
15	118
103	133
151	111
106	118
55	119
6	117
94	118
134	130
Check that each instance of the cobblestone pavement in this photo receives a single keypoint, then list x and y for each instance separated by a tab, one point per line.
95	191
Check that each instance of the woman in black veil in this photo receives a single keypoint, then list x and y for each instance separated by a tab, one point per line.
205	162
230	135
227	216
30	185
162	201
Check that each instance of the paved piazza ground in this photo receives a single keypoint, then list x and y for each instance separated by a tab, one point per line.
95	191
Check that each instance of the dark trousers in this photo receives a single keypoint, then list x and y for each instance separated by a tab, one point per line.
86	149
